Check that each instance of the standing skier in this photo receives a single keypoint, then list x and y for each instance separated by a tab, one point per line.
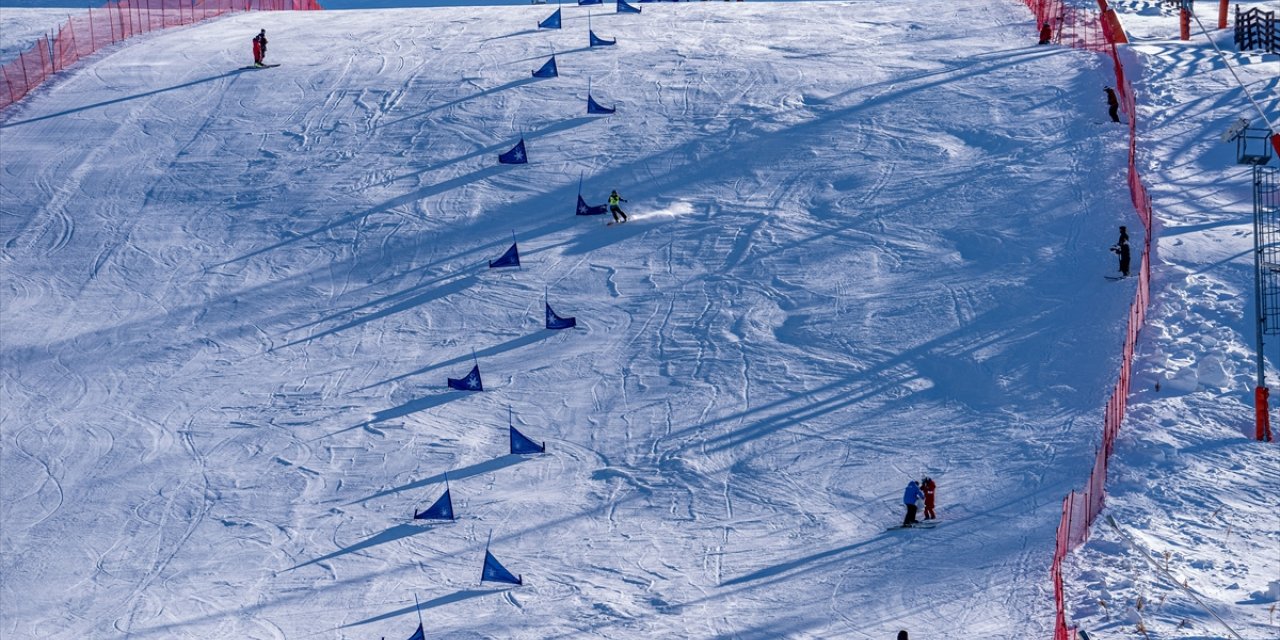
1121	249
259	48
910	497
1046	33
614	199
1113	106
928	486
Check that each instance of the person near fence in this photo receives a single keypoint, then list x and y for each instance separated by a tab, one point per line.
1113	106
1046	33
910	497
929	487
1121	249
259	48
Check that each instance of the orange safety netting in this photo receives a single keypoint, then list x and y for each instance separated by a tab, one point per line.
1100	31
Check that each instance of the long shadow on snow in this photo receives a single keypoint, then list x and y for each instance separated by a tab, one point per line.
398	532
800	562
107	103
390	296
444	105
544	56
476	469
462	284
513	35
894	372
407	198
494	149
413	406
510	345
457	596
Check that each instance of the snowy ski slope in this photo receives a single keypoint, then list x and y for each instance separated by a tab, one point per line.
866	244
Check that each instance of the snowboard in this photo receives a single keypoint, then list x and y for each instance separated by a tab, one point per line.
923	524
1115	277
265	66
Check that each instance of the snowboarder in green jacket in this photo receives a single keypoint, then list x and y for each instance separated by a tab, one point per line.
614	199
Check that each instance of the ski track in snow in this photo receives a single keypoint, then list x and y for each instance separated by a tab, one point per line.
861	248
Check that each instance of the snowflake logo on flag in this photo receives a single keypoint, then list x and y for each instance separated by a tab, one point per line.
518	154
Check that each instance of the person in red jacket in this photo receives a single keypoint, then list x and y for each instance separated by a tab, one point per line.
1046	33
928	486
259	48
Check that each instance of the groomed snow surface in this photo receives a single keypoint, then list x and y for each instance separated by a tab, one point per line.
867	243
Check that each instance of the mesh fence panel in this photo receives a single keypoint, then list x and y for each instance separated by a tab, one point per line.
1084	29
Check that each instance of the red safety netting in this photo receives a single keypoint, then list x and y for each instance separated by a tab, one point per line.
1071	26
82	35
1085	29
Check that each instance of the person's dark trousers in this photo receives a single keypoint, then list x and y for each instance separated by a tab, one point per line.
911	516
1115	115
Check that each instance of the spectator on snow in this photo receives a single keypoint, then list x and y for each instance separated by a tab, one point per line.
1113	106
259	48
1046	33
928	486
910	497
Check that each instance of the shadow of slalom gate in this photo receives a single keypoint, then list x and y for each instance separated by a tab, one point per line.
1100	32
85	34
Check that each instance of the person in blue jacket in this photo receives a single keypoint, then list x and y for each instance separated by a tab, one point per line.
910	497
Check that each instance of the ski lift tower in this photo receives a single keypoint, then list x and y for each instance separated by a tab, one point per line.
1253	147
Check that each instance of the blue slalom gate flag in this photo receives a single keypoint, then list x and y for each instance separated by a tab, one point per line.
419	634
493	571
623	7
552	21
515	156
595	108
470	383
583	3
585	209
597	41
442	509
548	69
556	322
509	259
522	445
